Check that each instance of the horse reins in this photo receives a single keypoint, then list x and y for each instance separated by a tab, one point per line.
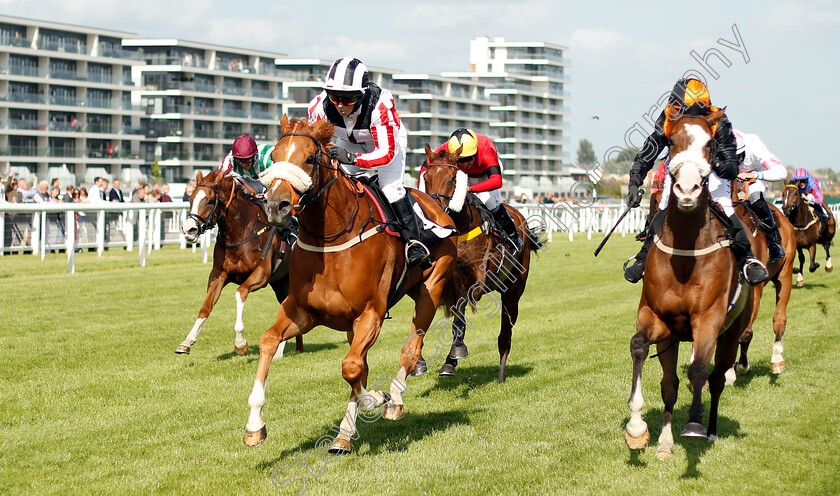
306	198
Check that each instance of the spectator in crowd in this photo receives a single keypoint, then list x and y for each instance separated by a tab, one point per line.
164	193
136	187
139	195
43	193
95	192
67	197
116	194
55	183
189	191
11	193
27	194
55	193
103	186
155	196
83	196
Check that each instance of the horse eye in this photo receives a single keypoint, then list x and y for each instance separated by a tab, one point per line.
311	160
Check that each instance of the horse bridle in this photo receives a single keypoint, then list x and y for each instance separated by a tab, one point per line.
435	196
306	197
209	222
712	145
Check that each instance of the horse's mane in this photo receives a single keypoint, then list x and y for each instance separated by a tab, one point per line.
322	130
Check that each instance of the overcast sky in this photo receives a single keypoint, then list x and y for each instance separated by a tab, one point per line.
779	84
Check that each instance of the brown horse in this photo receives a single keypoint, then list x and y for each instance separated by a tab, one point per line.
493	268
343	270
780	272
810	231
248	251
690	282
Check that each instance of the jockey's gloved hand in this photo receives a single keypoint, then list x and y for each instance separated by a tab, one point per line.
634	196
341	155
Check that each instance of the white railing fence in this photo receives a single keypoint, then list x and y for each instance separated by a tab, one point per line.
41	228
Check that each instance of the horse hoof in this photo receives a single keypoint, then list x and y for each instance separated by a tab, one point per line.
393	411
742	370
663	454
778	368
241	351
420	368
447	370
799	284
255	438
694	429
829	269
182	350
636	443
340	446
813	268
713	437
458	351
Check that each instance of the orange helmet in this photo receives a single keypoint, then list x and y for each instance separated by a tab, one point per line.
689	96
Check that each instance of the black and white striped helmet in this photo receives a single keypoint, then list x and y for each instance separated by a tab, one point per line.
347	74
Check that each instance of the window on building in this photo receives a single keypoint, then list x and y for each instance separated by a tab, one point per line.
100	73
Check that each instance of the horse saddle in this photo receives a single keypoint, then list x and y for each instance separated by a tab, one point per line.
430	233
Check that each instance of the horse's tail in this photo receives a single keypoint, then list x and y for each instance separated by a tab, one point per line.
458	286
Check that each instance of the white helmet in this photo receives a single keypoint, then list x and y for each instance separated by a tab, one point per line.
347	74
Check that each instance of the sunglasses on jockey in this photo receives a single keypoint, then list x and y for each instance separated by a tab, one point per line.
240	161
344	99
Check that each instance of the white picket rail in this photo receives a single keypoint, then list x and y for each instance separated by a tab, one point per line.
35	228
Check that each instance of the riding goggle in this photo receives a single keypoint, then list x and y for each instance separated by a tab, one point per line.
346	100
240	161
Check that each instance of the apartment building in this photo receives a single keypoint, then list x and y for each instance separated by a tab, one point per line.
198	97
65	102
528	80
79	102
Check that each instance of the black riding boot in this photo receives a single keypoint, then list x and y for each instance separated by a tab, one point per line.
417	252
822	214
503	218
753	269
635	272
771	230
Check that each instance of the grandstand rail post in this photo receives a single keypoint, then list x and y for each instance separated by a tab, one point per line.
42	235
3	234
70	235
100	232
141	234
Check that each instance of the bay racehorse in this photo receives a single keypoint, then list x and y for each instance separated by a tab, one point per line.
493	266
691	280
810	230
343	270
248	252
779	272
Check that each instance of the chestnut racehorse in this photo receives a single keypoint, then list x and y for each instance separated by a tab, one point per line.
691	279
493	268
247	251
343	270
780	272
810	231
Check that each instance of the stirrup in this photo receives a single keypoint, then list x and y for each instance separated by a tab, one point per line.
424	262
754	262
627	262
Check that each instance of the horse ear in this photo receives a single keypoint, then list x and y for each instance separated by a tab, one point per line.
715	116
199	176
323	131
429	153
284	124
